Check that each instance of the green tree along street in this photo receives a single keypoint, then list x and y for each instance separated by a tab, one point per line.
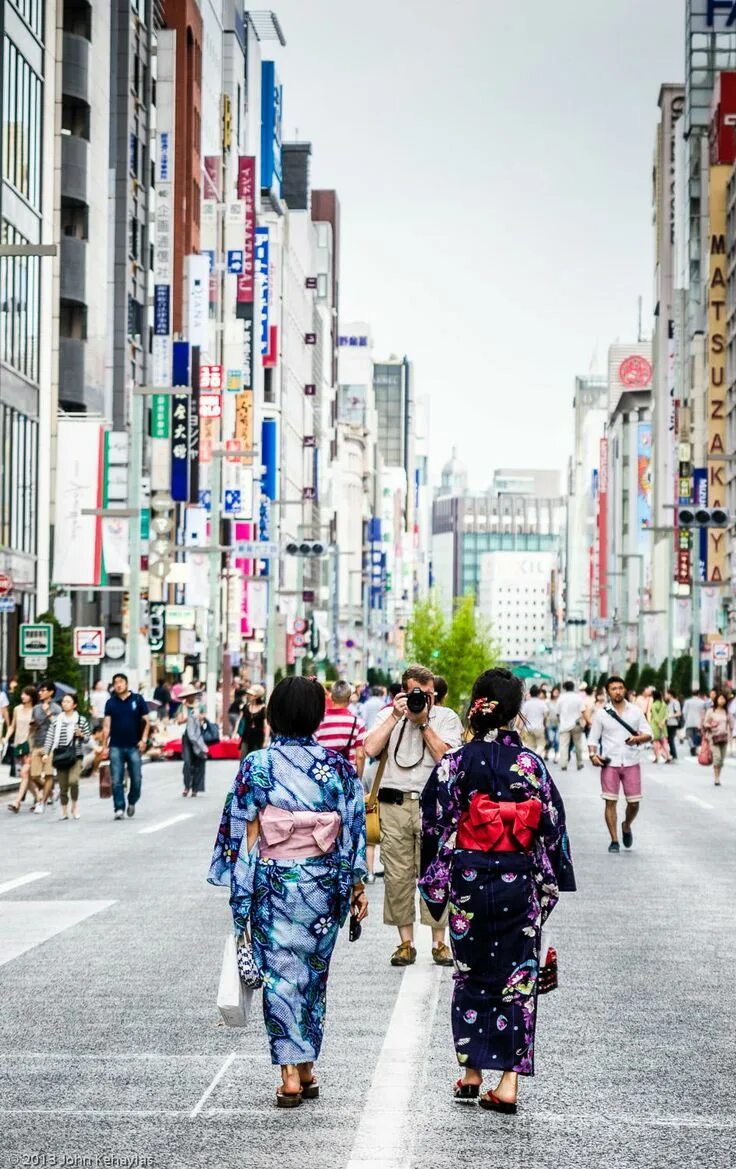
459	649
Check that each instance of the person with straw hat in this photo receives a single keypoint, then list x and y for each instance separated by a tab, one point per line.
193	747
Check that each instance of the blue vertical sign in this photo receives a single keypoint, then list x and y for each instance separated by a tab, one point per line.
262	272
700	499
271	117
180	424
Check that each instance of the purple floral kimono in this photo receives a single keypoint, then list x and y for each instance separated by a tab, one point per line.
498	900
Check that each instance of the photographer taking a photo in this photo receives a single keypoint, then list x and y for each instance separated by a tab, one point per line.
410	736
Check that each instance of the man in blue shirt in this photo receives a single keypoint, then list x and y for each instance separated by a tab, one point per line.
126	732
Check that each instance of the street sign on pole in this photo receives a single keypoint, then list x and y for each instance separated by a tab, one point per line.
299	641
257	549
35	662
89	643
6	584
301	625
7	604
721	653
36	641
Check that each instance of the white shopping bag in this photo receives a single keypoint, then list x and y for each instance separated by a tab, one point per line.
233	999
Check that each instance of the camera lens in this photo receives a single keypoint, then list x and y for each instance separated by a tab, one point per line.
416	700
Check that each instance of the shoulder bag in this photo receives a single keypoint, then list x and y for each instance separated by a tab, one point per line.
65	756
210	733
372	806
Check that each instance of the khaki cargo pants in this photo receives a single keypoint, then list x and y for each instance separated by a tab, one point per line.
401	833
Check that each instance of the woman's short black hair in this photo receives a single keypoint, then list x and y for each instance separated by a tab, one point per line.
296	707
501	687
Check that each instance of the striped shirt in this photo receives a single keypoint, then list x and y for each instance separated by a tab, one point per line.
340	728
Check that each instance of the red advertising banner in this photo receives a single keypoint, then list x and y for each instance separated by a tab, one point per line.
247	192
603	530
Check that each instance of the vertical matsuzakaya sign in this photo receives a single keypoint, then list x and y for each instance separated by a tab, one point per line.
717	562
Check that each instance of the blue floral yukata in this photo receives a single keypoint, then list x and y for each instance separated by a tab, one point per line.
295	907
498	900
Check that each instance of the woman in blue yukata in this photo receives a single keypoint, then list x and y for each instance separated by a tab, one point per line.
291	847
494	844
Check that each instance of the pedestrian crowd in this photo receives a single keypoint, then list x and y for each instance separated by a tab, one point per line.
466	814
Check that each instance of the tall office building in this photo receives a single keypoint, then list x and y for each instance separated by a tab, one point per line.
591	410
28	37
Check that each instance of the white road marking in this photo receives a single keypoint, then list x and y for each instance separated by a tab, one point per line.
206	1094
701	803
381	1141
18	881
25	924
166	823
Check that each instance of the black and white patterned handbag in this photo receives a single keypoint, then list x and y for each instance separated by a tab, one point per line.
250	975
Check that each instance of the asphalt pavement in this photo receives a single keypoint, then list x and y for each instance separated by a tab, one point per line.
111	1052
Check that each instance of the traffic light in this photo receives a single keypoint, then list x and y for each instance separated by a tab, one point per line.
305	548
156	627
702	517
314	638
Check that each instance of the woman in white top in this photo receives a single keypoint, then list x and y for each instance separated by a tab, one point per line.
20	731
64	747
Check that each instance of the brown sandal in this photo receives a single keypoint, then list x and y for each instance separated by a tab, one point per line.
310	1089
288	1099
14	807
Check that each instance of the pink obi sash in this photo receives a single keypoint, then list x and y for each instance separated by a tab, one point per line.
297	835
505	826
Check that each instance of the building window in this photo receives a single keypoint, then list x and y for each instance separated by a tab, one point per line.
19	308
21	131
18	446
32	13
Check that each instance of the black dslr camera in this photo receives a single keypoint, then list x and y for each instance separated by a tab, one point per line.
417	700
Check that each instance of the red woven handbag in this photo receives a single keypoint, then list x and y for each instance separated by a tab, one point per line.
548	973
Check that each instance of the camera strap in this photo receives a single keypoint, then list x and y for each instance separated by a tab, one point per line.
407	766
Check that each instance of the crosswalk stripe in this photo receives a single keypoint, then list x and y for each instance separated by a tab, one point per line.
26	924
701	803
25	880
166	823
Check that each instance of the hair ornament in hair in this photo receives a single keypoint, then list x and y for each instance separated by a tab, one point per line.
482	706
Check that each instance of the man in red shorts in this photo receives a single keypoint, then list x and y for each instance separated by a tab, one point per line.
618	730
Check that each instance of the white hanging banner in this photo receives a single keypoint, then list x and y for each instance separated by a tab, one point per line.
77	537
116	545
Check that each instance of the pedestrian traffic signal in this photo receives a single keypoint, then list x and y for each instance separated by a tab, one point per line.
702	517
305	548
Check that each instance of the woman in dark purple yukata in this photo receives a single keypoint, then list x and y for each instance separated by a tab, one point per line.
494	844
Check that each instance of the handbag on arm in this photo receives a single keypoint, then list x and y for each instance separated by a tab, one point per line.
372	806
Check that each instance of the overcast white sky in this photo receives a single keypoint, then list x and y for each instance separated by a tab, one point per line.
493	159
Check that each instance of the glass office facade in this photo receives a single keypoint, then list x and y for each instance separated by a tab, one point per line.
19	308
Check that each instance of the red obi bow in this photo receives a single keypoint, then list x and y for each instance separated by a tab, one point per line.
492	826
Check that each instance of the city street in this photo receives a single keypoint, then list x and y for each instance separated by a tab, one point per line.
110	946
